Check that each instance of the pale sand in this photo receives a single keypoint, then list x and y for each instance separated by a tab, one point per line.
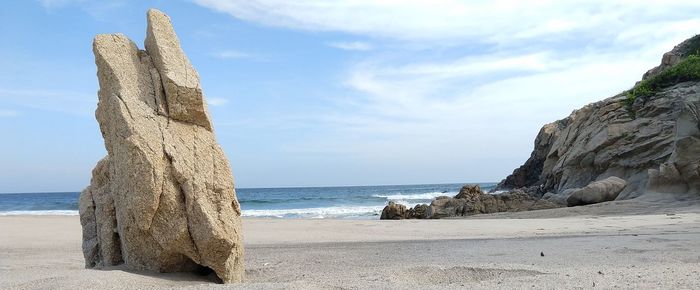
634	250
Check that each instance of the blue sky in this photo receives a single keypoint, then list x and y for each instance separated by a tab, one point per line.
312	93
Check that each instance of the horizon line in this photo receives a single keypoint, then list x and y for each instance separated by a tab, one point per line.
290	187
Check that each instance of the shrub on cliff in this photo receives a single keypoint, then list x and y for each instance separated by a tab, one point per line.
686	70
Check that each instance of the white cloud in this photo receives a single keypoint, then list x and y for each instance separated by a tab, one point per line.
456	82
354	45
423	112
450	20
216	101
232	54
539	41
485	106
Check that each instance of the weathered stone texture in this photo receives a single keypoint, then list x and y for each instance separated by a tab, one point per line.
651	144
163	199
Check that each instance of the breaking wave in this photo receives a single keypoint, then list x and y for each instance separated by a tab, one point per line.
39	212
417	196
318	212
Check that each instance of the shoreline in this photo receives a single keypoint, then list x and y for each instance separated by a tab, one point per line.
270	231
504	251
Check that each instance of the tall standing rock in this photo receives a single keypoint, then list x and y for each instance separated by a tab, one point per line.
163	199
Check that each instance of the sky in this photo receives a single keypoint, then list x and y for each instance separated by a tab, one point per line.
323	93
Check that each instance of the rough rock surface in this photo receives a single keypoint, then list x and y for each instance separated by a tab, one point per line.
180	81
469	191
163	199
419	211
393	211
597	191
653	150
469	201
478	202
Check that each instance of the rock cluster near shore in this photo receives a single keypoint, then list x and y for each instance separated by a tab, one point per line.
470	200
618	148
163	199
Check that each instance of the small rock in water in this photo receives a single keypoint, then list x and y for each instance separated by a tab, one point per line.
541	254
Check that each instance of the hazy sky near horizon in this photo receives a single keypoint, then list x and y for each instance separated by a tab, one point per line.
314	93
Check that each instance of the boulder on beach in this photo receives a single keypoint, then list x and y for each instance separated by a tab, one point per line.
393	211
163	199
597	191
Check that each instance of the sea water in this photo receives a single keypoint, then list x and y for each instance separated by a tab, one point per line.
346	202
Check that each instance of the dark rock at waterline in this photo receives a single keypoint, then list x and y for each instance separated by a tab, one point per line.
469	191
418	212
393	211
473	201
470	200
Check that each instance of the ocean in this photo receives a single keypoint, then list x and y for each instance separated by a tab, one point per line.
342	202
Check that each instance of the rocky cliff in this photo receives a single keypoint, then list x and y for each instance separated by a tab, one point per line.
163	199
648	136
645	140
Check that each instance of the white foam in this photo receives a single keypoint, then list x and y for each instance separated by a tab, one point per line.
420	196
39	212
317	212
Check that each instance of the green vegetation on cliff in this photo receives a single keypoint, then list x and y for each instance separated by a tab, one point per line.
687	69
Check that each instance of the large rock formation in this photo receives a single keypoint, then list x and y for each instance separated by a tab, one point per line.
163	199
652	142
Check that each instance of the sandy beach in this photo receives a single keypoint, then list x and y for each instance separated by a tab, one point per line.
581	248
228	144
